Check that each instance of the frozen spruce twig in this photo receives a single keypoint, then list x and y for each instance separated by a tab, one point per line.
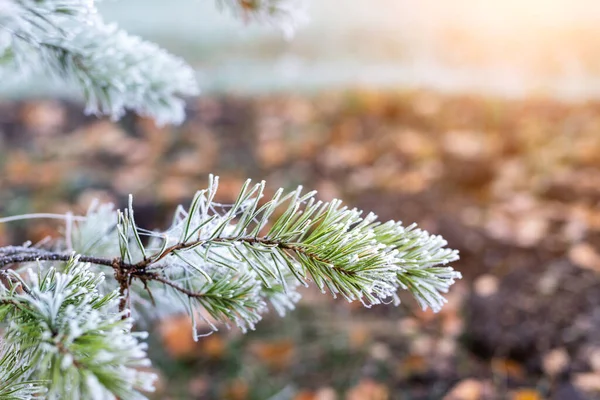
115	71
221	263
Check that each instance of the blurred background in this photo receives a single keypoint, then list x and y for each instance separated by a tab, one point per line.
478	120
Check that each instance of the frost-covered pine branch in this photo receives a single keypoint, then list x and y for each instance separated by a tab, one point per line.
224	264
115	71
74	338
293	238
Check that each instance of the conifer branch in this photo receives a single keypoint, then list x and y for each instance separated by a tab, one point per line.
256	250
223	264
72	335
115	71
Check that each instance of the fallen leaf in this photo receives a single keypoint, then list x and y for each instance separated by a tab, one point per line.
584	255
199	386
380	351
368	390
272	153
526	394
555	361
326	393
470	145
468	389
588	382
358	337
414	144
594	358
44	117
237	390
276	354
486	285
305	395
530	229
213	346
176	335
509	368
411	366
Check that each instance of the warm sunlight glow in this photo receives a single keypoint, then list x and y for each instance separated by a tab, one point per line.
549	37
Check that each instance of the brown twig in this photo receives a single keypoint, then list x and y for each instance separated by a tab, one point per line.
49	256
122	276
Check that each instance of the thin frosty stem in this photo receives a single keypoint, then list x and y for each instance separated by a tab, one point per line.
41	216
48	256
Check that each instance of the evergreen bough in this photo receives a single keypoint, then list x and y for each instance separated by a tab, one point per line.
67	308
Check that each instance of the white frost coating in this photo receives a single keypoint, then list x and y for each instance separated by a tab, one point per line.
223	264
81	335
119	71
68	40
115	71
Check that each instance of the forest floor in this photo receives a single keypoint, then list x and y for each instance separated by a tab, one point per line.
514	185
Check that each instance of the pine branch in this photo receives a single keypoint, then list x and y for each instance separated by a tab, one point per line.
217	263
67	39
73	336
264	249
139	76
115	71
359	258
